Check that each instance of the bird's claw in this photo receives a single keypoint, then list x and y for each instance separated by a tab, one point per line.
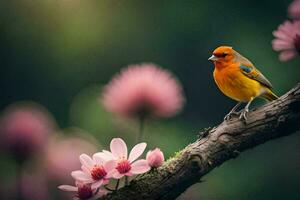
243	115
230	115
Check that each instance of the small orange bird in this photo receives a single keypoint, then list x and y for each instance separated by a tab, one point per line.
238	79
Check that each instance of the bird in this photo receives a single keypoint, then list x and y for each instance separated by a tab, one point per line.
239	79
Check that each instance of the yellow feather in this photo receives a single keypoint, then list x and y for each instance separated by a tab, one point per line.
234	84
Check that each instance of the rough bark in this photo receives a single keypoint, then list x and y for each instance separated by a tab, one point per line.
214	146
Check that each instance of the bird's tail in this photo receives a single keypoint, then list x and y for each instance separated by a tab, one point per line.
270	96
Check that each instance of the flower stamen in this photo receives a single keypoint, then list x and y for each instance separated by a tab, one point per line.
85	192
98	172
123	166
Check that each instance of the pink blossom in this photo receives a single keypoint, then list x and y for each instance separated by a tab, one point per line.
25	129
155	158
294	9
126	166
95	170
143	90
83	191
287	40
62	156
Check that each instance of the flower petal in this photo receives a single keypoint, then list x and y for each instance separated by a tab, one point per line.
105	181
68	188
282	36
107	155
109	166
137	151
118	148
140	167
145	84
117	175
98	159
97	184
129	174
111	173
287	55
282	45
86	161
85	169
81	176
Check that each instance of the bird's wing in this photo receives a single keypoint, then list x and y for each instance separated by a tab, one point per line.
253	73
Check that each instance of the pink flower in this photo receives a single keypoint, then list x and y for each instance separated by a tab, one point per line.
24	129
126	166
62	156
155	158
83	191
143	90
95	170
294	9
287	40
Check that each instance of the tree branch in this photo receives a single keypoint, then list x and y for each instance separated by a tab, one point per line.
215	146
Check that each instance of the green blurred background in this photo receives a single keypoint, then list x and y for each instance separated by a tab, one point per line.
60	53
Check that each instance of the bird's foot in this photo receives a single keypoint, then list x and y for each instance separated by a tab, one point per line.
243	115
230	115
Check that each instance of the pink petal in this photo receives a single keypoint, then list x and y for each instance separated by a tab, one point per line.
117	175
287	55
145	84
139	167
86	161
111	173
81	176
129	174
105	181
282	45
107	155
155	158
98	159
286	28
110	166
294	9
118	148
85	169
282	36
97	184
68	188
137	151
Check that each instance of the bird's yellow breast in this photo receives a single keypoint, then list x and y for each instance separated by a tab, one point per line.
234	84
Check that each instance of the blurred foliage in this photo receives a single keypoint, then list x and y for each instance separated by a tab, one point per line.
60	54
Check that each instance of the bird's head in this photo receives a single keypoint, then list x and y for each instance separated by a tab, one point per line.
223	54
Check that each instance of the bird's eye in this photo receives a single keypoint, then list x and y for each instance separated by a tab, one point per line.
223	55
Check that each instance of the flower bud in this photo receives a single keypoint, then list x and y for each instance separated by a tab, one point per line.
155	158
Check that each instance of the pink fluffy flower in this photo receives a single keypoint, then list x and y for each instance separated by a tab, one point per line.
24	129
95	171
155	158
287	40
126	166
83	191
143	90
294	9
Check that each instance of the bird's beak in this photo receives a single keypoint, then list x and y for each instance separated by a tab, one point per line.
213	58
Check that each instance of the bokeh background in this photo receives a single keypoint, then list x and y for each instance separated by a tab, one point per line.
60	53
